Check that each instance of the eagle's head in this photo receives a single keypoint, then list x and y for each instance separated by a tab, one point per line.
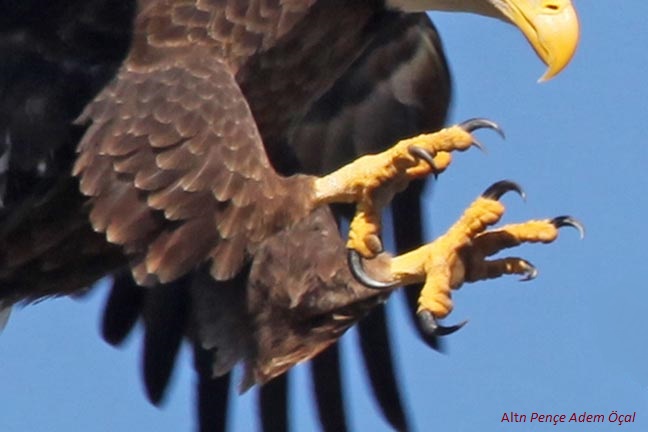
550	26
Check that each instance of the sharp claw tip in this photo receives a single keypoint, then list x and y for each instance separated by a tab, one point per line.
497	190
498	129
530	275
431	326
421	153
568	221
479	145
354	261
481	123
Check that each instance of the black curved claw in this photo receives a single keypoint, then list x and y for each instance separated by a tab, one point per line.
496	190
563	221
531	272
479	145
431	326
421	153
481	123
354	261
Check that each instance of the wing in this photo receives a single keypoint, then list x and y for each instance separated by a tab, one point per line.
56	57
127	144
175	142
414	92
173	161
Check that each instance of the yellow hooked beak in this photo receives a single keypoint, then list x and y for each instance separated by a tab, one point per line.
550	26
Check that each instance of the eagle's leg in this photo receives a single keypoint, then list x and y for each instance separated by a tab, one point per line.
460	255
371	181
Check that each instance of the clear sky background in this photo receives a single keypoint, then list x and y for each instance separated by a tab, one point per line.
573	340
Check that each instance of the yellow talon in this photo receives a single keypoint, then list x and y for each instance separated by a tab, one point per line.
372	181
460	255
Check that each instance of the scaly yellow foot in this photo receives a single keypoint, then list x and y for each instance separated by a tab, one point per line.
460	254
371	181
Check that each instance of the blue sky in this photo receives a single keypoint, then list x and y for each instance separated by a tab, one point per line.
573	340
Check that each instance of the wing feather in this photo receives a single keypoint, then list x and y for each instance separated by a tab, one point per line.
273	404
327	382
191	154
176	180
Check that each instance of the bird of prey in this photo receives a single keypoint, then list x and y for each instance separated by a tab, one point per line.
203	152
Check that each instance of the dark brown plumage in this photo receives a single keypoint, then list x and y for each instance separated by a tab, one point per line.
174	163
190	165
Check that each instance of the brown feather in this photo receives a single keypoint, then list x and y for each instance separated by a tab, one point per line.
178	193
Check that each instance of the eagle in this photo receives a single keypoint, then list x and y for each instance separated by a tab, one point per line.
203	154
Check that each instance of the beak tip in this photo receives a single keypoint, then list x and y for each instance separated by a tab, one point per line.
548	75
555	68
553	36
